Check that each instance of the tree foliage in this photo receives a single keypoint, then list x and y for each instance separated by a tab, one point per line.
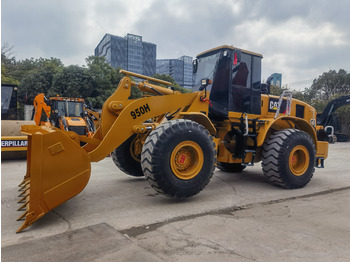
8	62
36	76
326	87
72	81
104	79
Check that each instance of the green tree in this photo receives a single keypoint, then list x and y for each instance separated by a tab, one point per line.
104	79
8	65
276	90
328	85
72	81
38	76
7	78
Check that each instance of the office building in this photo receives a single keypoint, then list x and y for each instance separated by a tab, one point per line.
276	80
129	53
180	70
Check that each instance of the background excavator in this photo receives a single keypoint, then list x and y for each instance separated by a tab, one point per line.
328	120
176	140
65	113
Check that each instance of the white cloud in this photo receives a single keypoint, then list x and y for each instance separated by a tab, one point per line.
300	39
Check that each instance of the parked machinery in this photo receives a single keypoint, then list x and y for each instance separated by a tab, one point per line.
63	112
175	140
327	121
13	143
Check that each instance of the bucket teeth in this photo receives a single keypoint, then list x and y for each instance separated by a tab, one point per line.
23	192
23	198
22	216
23	182
23	206
24	185
25	195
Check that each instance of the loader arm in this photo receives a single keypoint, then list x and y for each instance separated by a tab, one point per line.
127	121
121	118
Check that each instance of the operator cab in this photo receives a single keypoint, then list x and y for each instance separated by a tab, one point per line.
235	76
67	107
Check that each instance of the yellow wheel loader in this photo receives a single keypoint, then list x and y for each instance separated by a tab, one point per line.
176	140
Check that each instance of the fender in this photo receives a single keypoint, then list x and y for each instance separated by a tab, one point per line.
201	119
284	122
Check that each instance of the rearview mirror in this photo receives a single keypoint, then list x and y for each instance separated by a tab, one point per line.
195	66
204	83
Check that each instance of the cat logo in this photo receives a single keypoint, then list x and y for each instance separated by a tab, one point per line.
273	105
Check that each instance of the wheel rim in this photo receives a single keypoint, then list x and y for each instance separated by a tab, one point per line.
187	160
299	160
135	150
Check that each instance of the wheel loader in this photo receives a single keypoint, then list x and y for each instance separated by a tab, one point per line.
176	140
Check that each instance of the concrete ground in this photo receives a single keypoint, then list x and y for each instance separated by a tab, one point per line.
237	217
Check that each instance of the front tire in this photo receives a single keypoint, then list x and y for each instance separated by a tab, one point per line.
288	158
126	160
178	158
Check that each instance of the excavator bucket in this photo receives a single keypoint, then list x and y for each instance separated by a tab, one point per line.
57	170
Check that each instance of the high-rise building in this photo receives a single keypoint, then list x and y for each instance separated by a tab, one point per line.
129	53
276	80
180	70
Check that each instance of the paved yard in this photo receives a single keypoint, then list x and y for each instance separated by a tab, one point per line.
237	217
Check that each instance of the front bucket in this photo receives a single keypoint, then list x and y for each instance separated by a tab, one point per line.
57	170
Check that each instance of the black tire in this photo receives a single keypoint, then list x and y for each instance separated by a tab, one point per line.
230	167
288	158
124	159
178	158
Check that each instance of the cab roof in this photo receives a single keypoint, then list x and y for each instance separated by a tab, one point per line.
223	47
59	98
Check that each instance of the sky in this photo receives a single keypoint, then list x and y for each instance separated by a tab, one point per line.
300	39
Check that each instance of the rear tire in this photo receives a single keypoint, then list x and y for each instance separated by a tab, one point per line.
288	158
125	160
230	167
178	158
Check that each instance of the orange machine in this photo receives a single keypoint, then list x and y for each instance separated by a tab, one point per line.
64	113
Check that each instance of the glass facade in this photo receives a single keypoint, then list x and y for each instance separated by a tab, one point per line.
129	53
149	59
179	69
276	80
188	71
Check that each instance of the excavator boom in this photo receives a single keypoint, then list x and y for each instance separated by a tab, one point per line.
42	110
